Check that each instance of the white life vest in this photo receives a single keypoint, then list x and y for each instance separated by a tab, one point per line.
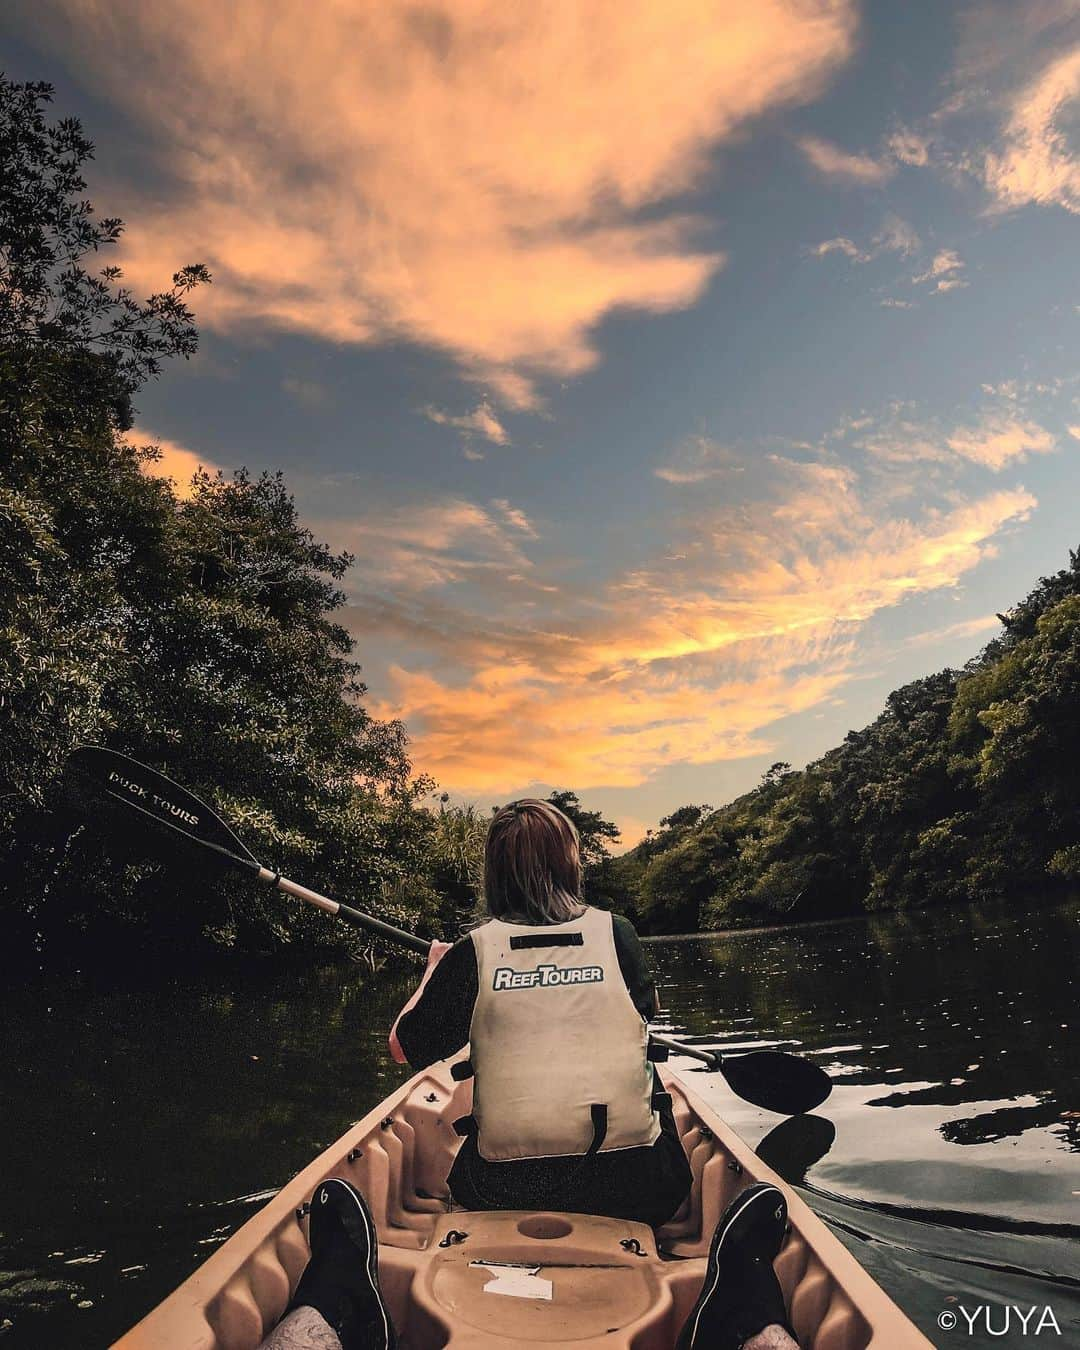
554	1035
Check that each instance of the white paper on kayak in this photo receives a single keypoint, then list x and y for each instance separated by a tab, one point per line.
515	1281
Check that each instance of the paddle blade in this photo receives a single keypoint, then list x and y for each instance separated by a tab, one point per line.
777	1082
151	796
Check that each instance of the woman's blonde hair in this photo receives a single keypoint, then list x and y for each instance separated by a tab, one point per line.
532	864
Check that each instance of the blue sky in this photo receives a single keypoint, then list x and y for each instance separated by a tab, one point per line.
683	377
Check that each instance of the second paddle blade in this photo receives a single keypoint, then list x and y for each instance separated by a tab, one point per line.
777	1082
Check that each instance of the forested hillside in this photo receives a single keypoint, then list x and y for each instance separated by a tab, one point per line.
965	788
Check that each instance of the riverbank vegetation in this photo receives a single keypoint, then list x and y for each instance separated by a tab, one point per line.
199	632
964	789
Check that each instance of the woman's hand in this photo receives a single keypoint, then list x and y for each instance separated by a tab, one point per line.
436	952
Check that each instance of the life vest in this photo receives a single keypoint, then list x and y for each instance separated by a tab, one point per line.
557	1047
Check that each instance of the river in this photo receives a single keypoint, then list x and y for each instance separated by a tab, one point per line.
144	1121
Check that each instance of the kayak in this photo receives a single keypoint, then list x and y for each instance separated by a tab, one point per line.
485	1280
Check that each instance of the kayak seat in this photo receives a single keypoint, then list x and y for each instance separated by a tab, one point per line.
533	1279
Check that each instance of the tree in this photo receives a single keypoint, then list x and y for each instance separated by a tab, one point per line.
594	831
199	636
58	319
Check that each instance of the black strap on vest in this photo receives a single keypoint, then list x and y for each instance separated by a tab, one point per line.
526	940
467	1128
598	1112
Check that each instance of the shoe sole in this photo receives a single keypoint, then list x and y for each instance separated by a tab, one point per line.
357	1221
739	1207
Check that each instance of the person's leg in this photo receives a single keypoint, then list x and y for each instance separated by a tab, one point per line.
772	1338
302	1329
337	1304
741	1304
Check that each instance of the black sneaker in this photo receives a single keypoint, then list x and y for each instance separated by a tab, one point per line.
341	1281
740	1294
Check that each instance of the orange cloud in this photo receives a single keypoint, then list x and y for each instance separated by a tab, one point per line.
1001	438
177	462
482	421
1002	435
984	624
834	162
460	174
908	147
1037	164
944	264
688	660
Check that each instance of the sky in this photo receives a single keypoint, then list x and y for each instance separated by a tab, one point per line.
683	377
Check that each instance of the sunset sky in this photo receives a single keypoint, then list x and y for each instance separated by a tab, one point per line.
684	376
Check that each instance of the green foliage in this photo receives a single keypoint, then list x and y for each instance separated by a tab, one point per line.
90	335
603	883
198	636
455	860
965	788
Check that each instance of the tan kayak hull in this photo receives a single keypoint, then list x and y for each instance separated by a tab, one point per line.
604	1291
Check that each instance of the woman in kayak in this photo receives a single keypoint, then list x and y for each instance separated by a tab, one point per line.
553	999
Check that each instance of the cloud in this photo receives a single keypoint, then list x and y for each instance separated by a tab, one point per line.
833	162
690	657
944	264
697	459
909	147
895	236
947	284
1001	438
841	244
482	421
177	462
515	518
890	302
966	628
1038	164
1074	431
475	178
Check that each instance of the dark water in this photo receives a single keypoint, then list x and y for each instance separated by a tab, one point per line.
142	1124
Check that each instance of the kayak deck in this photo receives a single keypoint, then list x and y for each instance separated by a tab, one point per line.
612	1283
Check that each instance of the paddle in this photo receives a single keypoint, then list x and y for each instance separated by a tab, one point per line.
765	1078
151	797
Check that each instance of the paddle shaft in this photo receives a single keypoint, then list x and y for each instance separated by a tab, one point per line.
346	912
355	917
709	1057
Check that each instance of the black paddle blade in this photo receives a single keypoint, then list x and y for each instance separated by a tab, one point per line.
149	794
795	1145
778	1082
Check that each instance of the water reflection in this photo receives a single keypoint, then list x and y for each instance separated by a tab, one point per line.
961	1025
144	1124
795	1145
